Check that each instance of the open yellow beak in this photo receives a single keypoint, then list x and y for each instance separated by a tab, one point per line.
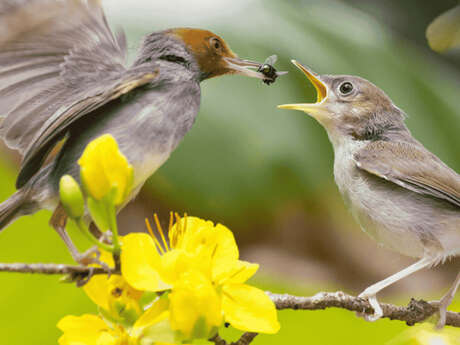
321	92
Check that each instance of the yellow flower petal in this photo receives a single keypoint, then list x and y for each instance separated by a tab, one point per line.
249	309
98	286
141	263
107	257
96	289
114	295
103	167
178	261
81	330
173	264
185	231
226	249
156	313
107	339
212	247
195	307
236	272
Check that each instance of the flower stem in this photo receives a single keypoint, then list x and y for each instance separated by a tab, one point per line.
81	224
114	228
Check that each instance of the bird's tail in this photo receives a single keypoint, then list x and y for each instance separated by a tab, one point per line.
11	208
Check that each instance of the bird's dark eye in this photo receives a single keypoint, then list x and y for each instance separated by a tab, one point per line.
215	43
346	88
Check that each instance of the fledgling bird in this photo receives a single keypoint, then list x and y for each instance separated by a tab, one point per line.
402	195
64	77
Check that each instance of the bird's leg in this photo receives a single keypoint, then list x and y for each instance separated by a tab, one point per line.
371	292
446	300
58	221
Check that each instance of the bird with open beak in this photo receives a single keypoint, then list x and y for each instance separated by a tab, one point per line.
402	195
64	75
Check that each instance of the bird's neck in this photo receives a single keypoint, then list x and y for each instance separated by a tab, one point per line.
344	135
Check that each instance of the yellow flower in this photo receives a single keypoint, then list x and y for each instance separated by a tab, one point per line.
103	168
144	328
114	295
199	249
244	307
152	328
195	306
92	330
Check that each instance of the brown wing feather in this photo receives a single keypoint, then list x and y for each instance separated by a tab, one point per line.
410	166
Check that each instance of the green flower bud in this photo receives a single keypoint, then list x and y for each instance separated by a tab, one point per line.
71	197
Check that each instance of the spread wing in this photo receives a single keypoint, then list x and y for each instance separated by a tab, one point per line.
59	61
57	125
410	166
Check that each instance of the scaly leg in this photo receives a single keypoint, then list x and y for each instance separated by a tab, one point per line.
371	292
58	221
446	300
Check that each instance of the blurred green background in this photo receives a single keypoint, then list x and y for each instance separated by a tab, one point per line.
267	173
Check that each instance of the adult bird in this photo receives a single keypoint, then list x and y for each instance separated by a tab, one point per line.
64	78
404	196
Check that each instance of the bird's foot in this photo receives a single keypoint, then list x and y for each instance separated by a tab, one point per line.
106	237
371	297
442	305
91	257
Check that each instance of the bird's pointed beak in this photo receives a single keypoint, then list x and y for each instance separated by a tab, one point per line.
244	67
315	109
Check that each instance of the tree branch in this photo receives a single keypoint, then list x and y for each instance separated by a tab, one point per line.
245	339
417	310
53	269
78	274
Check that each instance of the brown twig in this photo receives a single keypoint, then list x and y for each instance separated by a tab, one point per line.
417	310
51	269
245	339
78	274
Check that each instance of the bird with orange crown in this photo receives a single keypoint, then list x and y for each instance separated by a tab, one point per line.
63	75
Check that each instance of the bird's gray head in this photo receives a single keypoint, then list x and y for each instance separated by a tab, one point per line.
204	53
351	107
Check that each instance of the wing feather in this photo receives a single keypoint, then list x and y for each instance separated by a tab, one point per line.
412	167
57	125
49	46
59	61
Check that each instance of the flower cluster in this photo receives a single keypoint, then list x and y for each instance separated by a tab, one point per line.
174	288
201	269
197	283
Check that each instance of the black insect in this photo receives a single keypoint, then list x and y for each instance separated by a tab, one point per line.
269	71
